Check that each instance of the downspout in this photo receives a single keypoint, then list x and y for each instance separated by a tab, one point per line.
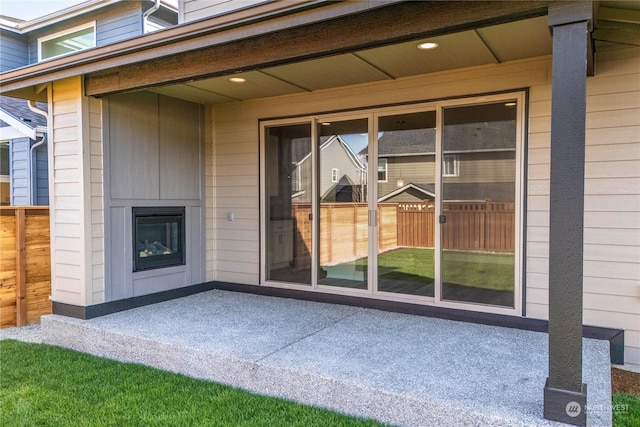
33	187
146	14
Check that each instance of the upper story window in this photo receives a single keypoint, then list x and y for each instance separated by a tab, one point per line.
334	175
68	41
450	165
382	170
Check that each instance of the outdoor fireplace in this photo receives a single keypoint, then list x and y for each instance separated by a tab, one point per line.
158	237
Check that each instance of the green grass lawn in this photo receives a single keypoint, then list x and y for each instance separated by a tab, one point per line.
626	410
42	385
473	269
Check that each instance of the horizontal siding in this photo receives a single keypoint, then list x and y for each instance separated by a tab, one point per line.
14	50
19	171
67	210
96	236
198	9
612	198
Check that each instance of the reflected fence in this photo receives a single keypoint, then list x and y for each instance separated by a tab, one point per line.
479	226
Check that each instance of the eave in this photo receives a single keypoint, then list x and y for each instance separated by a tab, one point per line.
268	35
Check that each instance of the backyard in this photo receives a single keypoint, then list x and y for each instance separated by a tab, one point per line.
51	386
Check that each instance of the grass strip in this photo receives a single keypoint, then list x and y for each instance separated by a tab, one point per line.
626	410
42	385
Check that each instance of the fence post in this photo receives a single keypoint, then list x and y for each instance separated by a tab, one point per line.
21	280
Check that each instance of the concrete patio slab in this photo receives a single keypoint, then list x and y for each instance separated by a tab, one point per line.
396	368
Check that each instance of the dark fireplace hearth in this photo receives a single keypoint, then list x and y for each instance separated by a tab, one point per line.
158	237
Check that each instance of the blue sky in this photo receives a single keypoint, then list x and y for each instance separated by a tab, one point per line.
31	9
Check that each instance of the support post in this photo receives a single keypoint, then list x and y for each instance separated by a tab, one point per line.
565	396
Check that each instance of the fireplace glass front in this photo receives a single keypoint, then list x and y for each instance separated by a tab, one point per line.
158	237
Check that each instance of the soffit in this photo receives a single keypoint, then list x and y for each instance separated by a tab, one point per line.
617	24
488	45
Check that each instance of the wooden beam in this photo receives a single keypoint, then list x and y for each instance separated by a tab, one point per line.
402	22
21	271
613	36
630	16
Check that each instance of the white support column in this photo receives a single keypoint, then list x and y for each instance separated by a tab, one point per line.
75	191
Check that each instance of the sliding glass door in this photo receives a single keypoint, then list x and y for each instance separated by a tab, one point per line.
343	203
406	201
478	203
413	204
288	192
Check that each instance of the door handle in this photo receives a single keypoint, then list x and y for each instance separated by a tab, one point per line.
442	219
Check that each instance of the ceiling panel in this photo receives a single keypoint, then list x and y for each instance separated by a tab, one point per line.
518	40
188	93
335	71
457	50
257	85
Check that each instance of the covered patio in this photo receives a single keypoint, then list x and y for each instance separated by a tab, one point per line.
397	368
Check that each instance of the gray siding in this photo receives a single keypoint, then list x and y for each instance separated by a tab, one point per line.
41	176
19	155
115	23
20	187
13	51
154	150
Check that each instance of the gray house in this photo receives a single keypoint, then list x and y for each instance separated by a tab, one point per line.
23	132
23	153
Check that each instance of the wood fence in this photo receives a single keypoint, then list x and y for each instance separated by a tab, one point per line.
25	265
473	226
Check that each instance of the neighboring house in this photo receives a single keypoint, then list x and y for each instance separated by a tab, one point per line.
90	24
85	26
342	178
179	127
23	144
477	163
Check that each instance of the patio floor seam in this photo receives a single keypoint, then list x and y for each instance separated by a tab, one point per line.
303	338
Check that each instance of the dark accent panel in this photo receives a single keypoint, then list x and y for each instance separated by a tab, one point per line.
614	336
565	406
103	309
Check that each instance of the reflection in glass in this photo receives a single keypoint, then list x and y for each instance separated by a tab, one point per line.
478	202
406	203
288	164
342	190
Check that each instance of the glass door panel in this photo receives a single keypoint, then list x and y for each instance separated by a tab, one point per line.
343	209
406	203
288	180
478	203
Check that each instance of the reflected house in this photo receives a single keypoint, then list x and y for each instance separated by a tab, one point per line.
477	163
344	179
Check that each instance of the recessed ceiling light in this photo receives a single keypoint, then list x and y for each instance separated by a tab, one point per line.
510	104
427	45
326	123
237	79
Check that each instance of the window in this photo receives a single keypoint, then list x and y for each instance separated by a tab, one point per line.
334	175
5	188
382	170
450	165
66	42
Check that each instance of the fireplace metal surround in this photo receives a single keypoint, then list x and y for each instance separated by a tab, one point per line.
158	237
